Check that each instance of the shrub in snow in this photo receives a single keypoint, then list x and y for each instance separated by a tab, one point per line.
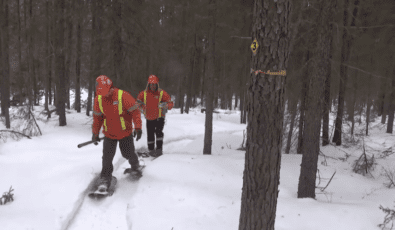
7	197
389	175
26	121
364	164
386	153
389	218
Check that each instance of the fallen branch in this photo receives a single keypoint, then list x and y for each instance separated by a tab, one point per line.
328	182
34	119
12	131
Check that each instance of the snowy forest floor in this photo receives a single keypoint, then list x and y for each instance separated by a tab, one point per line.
183	189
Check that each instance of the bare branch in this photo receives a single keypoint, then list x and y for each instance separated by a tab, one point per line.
364	71
12	131
241	37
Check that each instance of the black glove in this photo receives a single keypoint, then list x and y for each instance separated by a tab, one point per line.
137	132
95	137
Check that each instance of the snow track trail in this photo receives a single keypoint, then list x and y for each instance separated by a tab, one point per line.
106	213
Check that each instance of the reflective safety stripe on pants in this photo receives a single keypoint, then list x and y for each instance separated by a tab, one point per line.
155	129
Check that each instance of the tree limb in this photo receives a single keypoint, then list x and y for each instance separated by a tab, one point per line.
12	131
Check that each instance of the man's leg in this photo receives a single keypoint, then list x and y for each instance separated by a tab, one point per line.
160	123
151	135
127	149
109	147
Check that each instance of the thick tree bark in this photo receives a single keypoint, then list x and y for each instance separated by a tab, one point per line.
320	68
5	63
265	116
208	131
60	62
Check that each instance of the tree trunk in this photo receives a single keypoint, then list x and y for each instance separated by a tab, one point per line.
60	62
345	53
77	102
48	59
327	100
29	38
391	109
236	100
5	51
265	116
292	110
368	101
190	79
303	101
352	113
117	40
385	109
91	81
19	70
320	68
208	131
69	23
241	105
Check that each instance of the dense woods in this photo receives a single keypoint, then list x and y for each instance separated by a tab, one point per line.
338	56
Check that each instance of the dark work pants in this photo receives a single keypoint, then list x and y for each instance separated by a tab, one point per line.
155	128
127	150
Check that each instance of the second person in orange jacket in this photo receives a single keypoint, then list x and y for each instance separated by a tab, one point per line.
154	103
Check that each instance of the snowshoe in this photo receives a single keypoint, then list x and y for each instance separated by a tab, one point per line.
135	172
103	187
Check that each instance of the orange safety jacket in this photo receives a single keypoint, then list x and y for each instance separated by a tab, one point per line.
116	114
151	103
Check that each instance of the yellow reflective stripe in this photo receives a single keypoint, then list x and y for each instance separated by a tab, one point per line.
101	109
145	99
120	101
120	109
160	98
100	104
123	123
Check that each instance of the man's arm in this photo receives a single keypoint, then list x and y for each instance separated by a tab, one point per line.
98	117
166	98
133	108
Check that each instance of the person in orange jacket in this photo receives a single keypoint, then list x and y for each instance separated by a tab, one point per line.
115	110
154	103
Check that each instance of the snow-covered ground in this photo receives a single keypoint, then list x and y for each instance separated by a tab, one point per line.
183	189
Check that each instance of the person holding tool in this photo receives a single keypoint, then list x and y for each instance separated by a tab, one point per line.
154	103
116	111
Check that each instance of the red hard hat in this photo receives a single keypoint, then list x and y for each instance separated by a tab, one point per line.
152	79
103	85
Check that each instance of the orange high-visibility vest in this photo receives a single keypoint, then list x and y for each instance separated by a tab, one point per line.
160	98
119	109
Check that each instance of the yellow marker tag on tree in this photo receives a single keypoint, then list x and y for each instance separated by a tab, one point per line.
254	46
